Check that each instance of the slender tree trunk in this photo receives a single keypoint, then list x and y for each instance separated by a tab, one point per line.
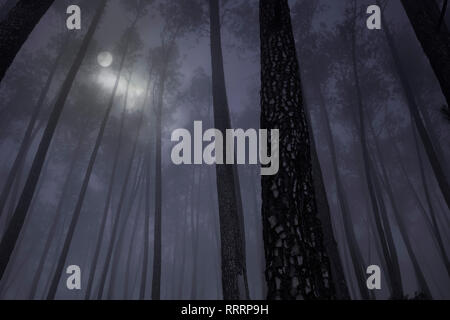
146	228
107	206
56	222
355	252
117	220
15	29
421	281
434	38
323	212
412	105
234	273
27	139
9	239
382	225
434	222
297	266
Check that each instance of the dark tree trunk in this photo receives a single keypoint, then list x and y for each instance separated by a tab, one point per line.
16	27
433	36
232	233
27	139
15	226
297	266
414	108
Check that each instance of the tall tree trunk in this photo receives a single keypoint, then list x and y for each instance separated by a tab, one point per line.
434	222
421	281
107	205
232	233
434	38
16	27
355	252
297	266
27	139
146	228
381	222
323	212
412	105
9	239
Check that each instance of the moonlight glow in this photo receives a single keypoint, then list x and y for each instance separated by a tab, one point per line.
105	59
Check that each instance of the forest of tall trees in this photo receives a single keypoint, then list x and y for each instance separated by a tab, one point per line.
358	122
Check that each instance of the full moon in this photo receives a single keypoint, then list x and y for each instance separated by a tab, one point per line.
105	59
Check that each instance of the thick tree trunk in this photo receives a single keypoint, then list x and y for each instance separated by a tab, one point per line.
15	226
297	266
16	27
412	105
27	139
234	273
425	18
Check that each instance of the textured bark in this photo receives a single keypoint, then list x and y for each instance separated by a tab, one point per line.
433	156
355	252
27	139
16	27
15	225
107	206
424	17
297	266
234	271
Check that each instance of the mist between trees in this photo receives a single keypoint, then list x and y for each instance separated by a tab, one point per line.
87	176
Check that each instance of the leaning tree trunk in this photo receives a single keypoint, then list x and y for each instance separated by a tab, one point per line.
323	212
17	26
27	139
234	273
432	154
434	37
15	225
355	252
297	266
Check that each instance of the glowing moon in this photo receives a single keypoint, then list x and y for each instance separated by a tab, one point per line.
105	59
